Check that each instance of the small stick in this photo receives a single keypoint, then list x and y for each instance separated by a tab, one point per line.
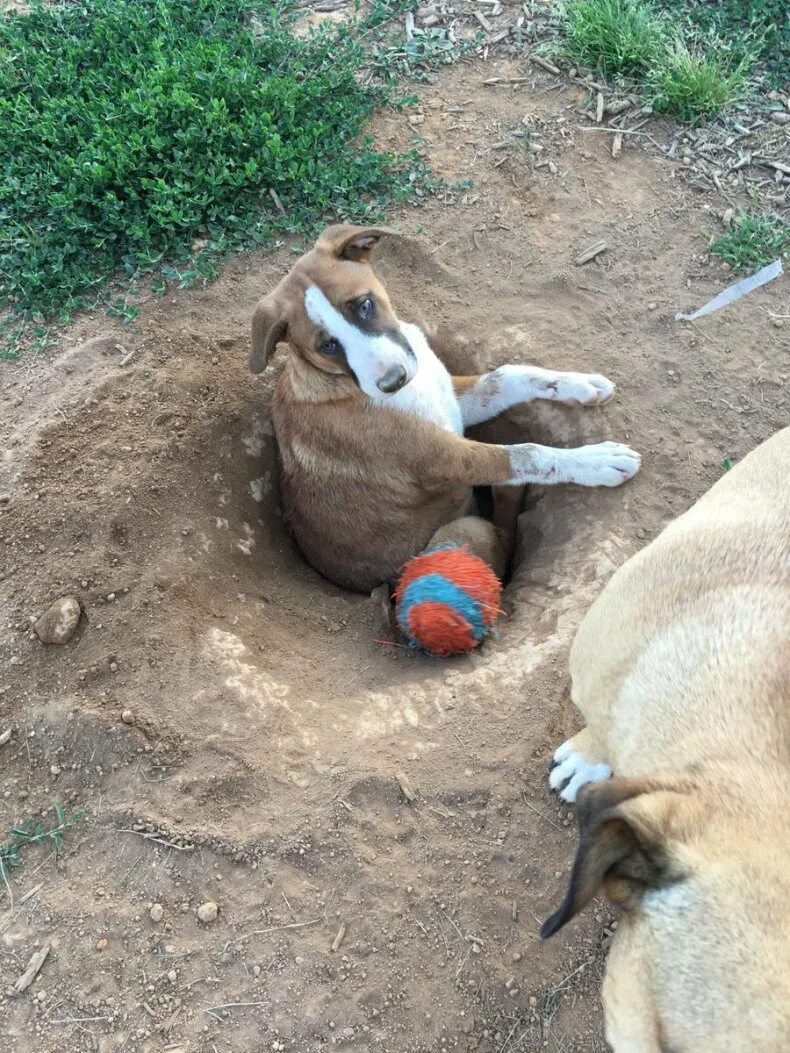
341	935
599	108
80	1019
504	80
231	1005
405	786
33	969
481	18
617	145
541	815
277	928
5	737
30	893
276	199
545	64
159	840
127	358
591	253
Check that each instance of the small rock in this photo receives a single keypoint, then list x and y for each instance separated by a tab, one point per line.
172	976
5	499
207	912
156	913
127	716
779	323
101	945
58	624
652	306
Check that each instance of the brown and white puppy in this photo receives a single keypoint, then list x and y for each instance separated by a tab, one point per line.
682	671
370	424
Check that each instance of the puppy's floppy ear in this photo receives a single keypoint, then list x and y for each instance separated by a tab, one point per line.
268	328
351	243
624	825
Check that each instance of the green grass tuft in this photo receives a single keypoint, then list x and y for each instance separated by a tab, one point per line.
130	129
753	241
759	28
34	833
615	37
694	87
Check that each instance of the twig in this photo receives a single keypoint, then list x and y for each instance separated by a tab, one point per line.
405	786
80	1020
127	358
591	252
278	928
159	840
532	808
231	1005
545	64
341	933
33	969
276	199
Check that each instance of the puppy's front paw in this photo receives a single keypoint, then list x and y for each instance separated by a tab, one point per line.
584	389
605	464
570	771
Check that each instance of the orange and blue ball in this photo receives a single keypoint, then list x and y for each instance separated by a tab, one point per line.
447	600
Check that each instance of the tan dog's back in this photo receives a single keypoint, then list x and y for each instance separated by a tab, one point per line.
697	629
682	671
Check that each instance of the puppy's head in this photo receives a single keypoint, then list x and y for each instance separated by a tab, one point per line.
699	961
335	314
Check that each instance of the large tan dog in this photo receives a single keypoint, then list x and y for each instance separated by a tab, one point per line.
682	671
370	425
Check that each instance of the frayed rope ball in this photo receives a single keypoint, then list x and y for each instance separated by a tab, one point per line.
447	600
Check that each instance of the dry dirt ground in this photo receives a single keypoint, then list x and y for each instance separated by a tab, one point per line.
233	725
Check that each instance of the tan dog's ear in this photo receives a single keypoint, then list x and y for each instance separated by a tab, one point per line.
351	243
268	328
623	829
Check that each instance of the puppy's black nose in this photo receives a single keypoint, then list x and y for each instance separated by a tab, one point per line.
393	380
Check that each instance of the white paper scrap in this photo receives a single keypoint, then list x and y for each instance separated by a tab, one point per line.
735	292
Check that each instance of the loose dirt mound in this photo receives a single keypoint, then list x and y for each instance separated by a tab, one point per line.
231	722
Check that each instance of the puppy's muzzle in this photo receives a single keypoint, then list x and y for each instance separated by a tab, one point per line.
393	380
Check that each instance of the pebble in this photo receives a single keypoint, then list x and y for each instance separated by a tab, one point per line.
172	976
207	912
101	945
652	306
127	716
156	913
58	624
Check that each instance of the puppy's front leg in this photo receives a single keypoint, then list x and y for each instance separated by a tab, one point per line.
486	396
456	460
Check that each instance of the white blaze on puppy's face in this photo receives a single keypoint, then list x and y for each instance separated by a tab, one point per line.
371	357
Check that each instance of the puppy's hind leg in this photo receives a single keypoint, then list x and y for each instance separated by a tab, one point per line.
482	538
576	762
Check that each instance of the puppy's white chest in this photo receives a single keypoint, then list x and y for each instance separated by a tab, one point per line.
430	394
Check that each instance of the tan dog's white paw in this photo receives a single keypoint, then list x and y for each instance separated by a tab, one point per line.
583	389
570	771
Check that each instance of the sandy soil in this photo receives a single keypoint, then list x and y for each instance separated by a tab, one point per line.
233	725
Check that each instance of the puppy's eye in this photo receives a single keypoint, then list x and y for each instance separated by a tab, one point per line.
330	347
366	309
